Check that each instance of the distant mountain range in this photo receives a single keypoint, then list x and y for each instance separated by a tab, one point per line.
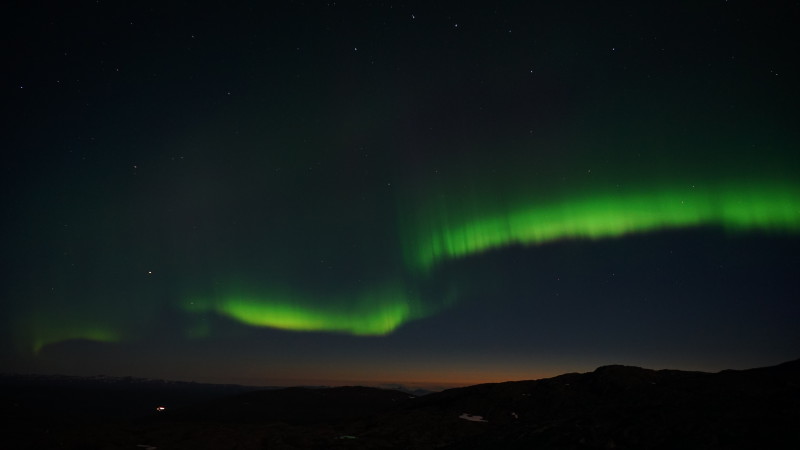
611	407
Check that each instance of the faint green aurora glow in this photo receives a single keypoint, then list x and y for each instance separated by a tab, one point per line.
446	233
44	333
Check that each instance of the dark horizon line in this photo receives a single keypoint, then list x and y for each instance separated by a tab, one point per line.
402	386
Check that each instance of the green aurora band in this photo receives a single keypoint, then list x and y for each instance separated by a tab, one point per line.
760	207
772	207
372	313
464	226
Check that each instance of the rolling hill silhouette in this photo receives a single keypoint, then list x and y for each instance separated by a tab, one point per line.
611	407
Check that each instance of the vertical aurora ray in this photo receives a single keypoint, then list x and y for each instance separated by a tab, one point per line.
772	206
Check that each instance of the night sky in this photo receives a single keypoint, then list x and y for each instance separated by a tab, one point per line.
432	194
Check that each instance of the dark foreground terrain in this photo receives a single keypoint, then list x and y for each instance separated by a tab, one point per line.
612	407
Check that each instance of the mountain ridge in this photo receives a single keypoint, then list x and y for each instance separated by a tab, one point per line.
614	406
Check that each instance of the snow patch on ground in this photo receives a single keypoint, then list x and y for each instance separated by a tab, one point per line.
472	418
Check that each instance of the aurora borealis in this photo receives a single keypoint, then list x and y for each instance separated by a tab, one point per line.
602	215
372	313
341	193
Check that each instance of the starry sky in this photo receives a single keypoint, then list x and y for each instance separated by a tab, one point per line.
423	193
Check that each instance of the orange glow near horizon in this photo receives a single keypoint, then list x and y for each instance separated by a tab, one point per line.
386	376
429	379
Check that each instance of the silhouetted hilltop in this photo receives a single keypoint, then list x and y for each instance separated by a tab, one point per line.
610	407
625	407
